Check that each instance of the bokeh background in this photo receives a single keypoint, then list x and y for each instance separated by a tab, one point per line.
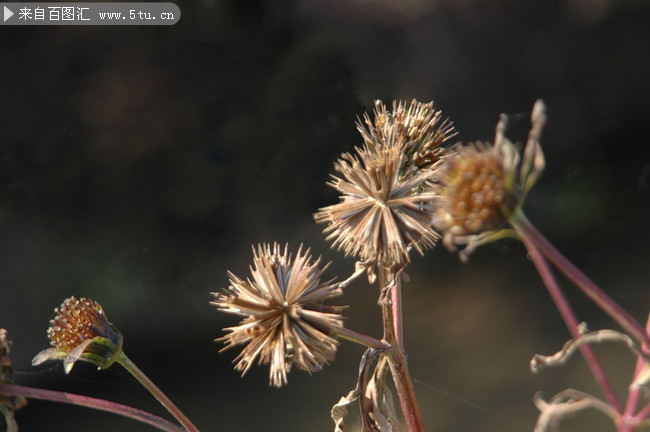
139	164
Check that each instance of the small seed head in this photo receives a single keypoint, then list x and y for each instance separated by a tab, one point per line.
476	196
481	186
81	331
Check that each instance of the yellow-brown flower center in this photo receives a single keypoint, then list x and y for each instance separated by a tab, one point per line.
76	322
477	193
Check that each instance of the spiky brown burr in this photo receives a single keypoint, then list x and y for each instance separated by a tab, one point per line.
284	321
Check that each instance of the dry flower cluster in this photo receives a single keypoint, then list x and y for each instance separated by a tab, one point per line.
403	189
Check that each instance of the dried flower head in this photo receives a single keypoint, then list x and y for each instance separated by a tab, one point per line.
81	331
386	189
482	186
8	404
420	127
382	213
284	322
476	181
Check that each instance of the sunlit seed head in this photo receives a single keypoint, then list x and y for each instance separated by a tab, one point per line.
284	321
381	213
475	198
77	321
481	186
81	331
419	128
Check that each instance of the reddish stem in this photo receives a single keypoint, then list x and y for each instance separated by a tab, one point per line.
570	319
90	402
397	361
628	420
405	391
586	285
360	338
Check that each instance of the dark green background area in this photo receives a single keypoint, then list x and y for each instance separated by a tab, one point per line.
139	164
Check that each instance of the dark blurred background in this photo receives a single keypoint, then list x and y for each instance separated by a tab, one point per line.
139	164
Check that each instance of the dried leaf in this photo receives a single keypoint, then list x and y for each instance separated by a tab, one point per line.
642	379
559	358
533	161
383	415
340	409
566	403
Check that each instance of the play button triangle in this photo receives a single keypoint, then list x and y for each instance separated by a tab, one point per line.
7	13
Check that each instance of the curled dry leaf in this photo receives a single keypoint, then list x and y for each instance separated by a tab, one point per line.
382	409
376	405
340	409
566	403
559	358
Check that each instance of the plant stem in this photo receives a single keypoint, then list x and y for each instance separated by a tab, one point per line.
157	393
630	420
396	302
642	415
586	285
361	339
90	402
570	320
405	391
397	361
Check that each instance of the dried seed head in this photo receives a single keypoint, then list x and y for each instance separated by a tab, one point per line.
81	331
420	129
382	213
478	194
386	188
481	185
284	321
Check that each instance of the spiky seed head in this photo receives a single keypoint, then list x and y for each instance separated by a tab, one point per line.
385	206
284	321
81	331
382	213
420	128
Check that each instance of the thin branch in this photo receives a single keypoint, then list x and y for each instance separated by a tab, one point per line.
586	285
90	402
361	339
157	393
570	319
